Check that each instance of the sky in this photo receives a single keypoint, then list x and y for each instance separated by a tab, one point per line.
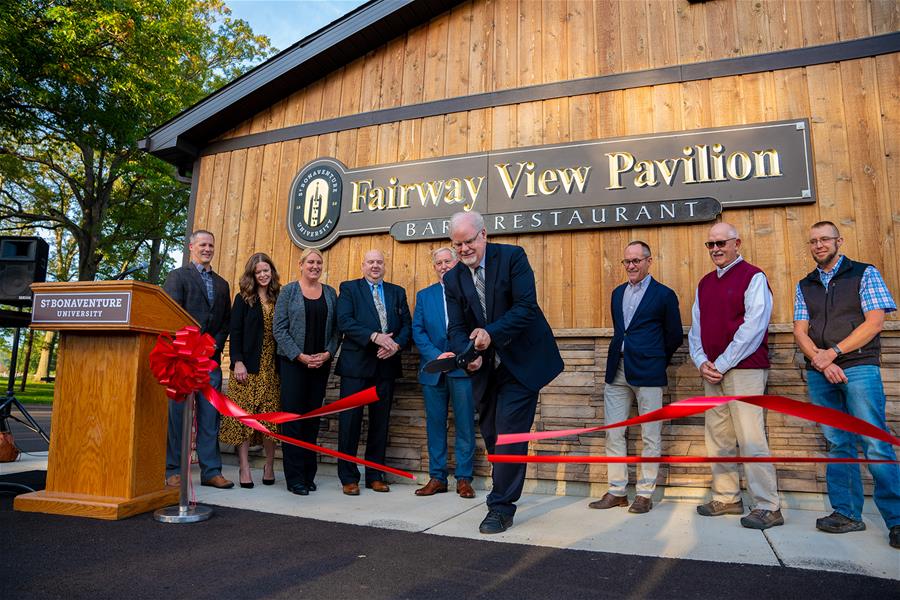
289	21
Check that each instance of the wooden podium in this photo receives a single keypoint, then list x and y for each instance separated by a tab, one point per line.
108	434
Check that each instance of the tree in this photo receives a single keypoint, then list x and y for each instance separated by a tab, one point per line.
81	81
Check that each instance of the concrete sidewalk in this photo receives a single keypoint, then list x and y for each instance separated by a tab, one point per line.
672	529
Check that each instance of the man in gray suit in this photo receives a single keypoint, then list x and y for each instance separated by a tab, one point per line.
207	298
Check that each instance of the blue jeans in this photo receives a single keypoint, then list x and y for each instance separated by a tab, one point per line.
863	397
208	419
437	399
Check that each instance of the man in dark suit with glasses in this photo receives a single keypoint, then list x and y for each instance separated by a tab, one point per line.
492	301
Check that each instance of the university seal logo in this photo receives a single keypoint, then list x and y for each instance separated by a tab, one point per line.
315	202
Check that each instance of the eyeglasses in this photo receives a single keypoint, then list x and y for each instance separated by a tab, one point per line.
822	240
633	261
717	243
468	242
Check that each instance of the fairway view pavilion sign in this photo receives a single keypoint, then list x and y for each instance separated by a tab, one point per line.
653	179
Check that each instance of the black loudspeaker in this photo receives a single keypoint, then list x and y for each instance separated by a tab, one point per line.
23	261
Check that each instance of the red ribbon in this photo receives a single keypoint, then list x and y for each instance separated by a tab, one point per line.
182	365
693	406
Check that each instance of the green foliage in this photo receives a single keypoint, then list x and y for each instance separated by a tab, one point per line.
81	81
35	393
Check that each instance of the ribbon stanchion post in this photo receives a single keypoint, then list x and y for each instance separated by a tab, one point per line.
184	512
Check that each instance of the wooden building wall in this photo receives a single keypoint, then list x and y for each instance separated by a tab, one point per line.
488	45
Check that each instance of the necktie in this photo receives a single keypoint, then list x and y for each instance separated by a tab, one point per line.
379	306
208	282
479	288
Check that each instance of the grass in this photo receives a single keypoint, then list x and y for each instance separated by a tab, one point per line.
35	393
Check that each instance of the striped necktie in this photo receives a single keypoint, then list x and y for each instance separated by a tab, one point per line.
479	287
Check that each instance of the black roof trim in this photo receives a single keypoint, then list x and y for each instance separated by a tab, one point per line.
315	56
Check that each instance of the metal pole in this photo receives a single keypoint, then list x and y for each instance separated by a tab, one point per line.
184	513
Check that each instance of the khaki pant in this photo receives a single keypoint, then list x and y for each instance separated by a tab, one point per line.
617	399
738	424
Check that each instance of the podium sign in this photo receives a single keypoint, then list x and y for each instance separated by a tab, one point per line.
108	434
81	307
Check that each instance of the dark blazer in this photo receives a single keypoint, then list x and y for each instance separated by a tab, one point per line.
429	331
186	287
246	340
289	323
357	319
520	334
652	336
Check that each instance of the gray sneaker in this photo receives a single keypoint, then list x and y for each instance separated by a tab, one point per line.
714	508
762	519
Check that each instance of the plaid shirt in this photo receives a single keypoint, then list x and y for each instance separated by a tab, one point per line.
207	280
873	292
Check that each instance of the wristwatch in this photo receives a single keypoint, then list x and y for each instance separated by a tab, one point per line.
837	350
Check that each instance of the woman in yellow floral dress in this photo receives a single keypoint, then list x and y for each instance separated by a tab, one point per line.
254	382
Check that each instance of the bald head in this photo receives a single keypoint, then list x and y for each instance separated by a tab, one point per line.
723	244
373	266
725	230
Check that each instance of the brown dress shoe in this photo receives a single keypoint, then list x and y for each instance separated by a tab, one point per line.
609	501
173	481
434	486
464	488
218	482
378	486
641	505
351	489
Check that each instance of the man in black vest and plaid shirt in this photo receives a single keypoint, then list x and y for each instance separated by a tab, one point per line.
839	311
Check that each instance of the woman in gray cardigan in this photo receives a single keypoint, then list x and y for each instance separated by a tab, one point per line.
306	332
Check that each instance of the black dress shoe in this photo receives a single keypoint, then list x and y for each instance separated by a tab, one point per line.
312	487
894	536
495	522
247	486
300	489
268	481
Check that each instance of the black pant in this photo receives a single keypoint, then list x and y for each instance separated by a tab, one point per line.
506	406
350	422
302	390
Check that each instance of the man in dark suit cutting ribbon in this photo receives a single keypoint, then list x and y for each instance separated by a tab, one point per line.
647	332
492	300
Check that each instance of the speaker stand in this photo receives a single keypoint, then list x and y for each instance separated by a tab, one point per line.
9	400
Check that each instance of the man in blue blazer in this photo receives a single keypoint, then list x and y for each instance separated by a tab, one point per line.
492	300
647	332
373	318
429	331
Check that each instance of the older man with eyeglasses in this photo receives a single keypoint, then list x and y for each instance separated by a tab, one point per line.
492	302
839	310
729	345
646	333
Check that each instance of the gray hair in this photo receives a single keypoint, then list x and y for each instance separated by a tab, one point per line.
437	251
473	218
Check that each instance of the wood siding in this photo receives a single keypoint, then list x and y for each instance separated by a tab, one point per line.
486	45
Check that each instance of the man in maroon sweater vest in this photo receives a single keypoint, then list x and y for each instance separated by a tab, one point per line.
729	345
